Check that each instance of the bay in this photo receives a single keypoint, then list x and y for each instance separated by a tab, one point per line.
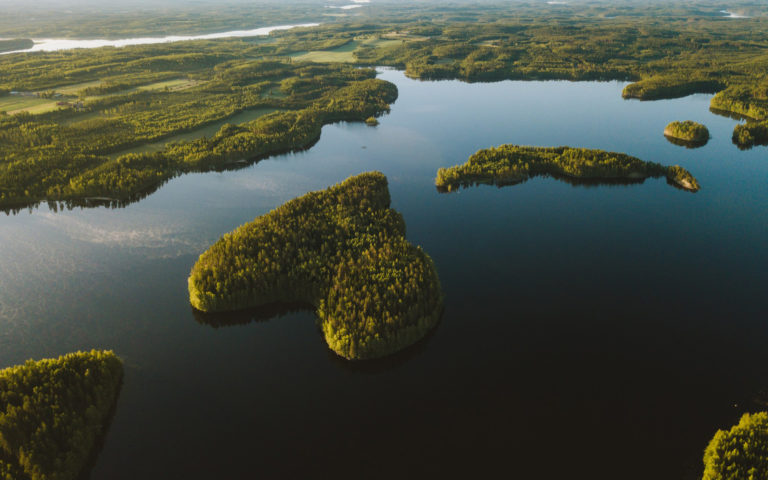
589	331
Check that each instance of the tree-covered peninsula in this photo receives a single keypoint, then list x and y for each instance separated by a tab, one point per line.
91	144
341	250
54	412
511	164
687	131
740	453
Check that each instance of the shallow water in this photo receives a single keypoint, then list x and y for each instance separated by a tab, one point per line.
587	330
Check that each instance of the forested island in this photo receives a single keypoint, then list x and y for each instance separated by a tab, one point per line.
76	122
341	250
740	453
54	412
688	132
512	164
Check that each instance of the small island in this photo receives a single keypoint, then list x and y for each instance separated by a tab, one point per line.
54	412
341	250
371	121
687	133
739	453
512	164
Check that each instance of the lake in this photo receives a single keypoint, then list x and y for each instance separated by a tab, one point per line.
594	332
55	44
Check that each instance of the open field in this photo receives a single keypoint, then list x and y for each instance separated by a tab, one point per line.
343	54
71	90
15	104
173	85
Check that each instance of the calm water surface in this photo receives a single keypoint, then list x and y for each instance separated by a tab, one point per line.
55	44
589	332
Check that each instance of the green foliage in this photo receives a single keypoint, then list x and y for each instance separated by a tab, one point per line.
52	413
511	164
59	157
15	44
342	250
72	154
740	453
669	86
687	130
751	133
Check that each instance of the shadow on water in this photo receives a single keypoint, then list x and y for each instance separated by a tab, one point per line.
573	181
278	310
388	363
686	143
263	313
16	207
98	446
731	115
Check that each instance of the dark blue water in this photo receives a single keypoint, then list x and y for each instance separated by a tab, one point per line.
589	332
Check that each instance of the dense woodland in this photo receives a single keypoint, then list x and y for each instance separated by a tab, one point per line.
53	413
342	250
113	101
740	453
85	151
687	131
511	164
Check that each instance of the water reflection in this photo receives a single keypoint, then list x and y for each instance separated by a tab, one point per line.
686	143
98	445
15	208
732	115
278	310
573	181
388	363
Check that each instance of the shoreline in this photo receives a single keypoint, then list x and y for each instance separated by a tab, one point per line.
57	44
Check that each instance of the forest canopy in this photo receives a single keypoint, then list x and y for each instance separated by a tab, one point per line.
341	250
91	146
740	453
688	131
78	122
53	412
511	164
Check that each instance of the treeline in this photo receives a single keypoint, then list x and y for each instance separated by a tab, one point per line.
342	250
664	57
57	157
750	101
511	164
739	453
688	131
53	412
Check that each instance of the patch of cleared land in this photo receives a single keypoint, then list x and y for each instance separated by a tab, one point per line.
342	54
72	90
14	104
345	53
172	85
